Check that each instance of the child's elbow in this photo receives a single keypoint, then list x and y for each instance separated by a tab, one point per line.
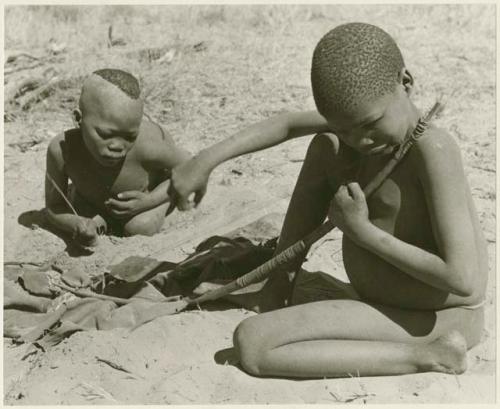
463	283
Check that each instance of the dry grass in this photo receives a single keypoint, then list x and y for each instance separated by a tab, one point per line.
254	60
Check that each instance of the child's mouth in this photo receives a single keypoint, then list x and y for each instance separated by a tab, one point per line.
113	159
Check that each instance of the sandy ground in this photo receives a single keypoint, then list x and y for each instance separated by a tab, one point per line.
230	67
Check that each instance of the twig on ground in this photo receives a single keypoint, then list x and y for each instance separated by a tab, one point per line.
93	392
13	56
483	168
358	396
116	366
334	396
12	70
22	263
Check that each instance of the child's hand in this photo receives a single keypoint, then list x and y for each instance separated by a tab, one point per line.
128	204
349	211
188	177
86	232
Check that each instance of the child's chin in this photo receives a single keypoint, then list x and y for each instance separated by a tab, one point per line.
110	163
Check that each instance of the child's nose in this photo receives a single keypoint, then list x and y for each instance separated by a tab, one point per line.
116	146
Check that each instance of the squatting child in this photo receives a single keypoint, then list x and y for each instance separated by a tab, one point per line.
117	162
413	251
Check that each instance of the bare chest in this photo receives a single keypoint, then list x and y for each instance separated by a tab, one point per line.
398	205
97	184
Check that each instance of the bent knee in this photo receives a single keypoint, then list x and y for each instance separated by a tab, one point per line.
249	348
143	225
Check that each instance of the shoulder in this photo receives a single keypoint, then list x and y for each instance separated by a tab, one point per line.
437	152
435	143
55	147
62	144
152	136
154	144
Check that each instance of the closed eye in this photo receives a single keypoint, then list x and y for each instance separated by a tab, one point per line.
131	137
371	124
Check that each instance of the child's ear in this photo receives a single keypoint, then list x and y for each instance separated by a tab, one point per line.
406	79
77	117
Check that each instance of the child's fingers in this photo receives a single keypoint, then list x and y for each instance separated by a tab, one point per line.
173	196
342	193
87	235
341	190
101	225
199	195
184	204
171	208
356	191
131	194
117	204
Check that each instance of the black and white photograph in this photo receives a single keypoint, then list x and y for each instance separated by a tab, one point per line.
222	204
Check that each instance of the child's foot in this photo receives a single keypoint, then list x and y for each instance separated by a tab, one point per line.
449	353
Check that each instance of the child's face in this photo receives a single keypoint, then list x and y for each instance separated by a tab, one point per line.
375	127
109	130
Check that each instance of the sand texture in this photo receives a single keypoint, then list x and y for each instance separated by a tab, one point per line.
208	72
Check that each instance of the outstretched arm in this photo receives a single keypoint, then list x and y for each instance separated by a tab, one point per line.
192	176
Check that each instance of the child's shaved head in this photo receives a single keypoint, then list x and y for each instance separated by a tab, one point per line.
109	87
123	80
352	63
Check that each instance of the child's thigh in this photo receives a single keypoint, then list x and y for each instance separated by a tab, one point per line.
356	320
146	223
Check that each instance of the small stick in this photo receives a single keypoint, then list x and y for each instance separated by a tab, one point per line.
116	366
117	300
22	263
61	193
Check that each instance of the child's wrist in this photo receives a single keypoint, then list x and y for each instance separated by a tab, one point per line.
207	160
364	234
153	199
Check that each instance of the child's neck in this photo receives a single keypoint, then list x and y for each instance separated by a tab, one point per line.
414	114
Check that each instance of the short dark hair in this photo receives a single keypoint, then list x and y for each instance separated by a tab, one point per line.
122	79
351	63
